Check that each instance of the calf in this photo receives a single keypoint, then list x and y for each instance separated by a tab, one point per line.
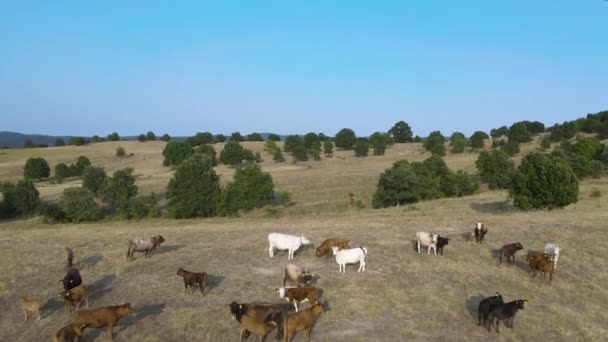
296	276
193	280
426	239
553	252
442	242
479	232
302	321
71	279
258	318
350	256
140	244
69	258
290	243
509	251
541	263
74	296
297	295
485	306
326	247
70	333
505	312
102	317
30	306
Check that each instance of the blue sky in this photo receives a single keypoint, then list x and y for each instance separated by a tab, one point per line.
298	66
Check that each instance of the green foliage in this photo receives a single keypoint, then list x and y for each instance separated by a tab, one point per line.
315	151
234	154
121	152
510	148
93	179
380	148
291	142
21	199
270	146
299	153
543	181
401	132
249	188
584	157
274	137
255	137
113	137
408	182
200	138
565	131
545	144
328	148
142	206
499	132
311	139
236	136
51	213
59	142
346	139
97	139
176	152
417	139
62	171
141	138
478	140
596	169
166	137
361	149
285	198
78	204
458	142
495	168
119	189
220	138
81	163
36	168
435	143
150	136
379	138
194	190
78	141
519	133
209	151
277	156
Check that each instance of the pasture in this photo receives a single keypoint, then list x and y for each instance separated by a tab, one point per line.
401	296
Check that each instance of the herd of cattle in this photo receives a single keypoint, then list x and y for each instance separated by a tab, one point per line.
262	318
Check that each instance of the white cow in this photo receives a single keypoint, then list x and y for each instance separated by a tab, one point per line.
350	256
290	243
552	251
427	240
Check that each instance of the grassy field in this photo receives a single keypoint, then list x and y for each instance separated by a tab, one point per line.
402	296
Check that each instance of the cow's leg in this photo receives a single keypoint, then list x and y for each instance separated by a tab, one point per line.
295	304
418	246
25	314
111	329
270	251
435	250
38	313
307	334
241	333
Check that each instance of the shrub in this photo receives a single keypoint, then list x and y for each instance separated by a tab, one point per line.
81	163
200	138
78	141
51	213
458	142
274	137
139	207
119	189
545	144
380	148
378	138
59	142
209	151
150	136
93	179
346	139
438	150
315	151
176	152
328	148
285	198
141	138
270	146
566	130
596	169
519	133
277	156
249	188
255	137
194	190
311	139
478	140
166	137
543	181
78	204
435	143
299	153
21	199
595	193
510	148
220	138
401	132
62	171
120	152
236	136
495	168
291	142
499	132
234	154
36	168
361	149
113	137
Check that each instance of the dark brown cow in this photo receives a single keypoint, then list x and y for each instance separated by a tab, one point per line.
258	318
69	258
509	251
74	296
193	280
326	247
70	333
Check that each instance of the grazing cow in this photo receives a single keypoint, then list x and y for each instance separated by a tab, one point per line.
140	244
296	276
479	232
102	317
283	241
505	312
350	256
552	251
541	263
442	242
193	280
70	333
485	306
509	251
297	295
71	279
30	306
302	321
258	318
426	239
326	247
69	258
74	296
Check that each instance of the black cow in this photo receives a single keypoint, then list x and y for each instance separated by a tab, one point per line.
71	279
441	242
485	306
505	312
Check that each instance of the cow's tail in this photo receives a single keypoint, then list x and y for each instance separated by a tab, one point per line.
129	249
364	252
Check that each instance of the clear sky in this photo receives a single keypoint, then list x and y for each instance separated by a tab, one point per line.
178	67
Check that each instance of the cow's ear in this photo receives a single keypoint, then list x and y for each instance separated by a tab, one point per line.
240	306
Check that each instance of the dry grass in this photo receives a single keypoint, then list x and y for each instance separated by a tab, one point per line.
402	295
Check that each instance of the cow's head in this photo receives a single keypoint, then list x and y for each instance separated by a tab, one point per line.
335	250
305	240
321	251
520	303
308	277
180	272
519	246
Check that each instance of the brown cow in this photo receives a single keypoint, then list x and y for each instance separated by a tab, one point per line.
193	280
74	296
297	295
70	333
69	258
541	263
258	318
105	316
30	305
302	321
509	251
326	247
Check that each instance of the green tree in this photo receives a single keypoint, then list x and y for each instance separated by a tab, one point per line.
499	132
361	149
166	137
277	156
291	142
176	152
93	179
36	168
236	136
435	143
328	148
62	171
510	148
545	144
150	136
458	142
346	139
220	138
255	137
194	190
209	151
299	153
478	140
311	139
495	168
81	163
78	204
141	138
274	137
21	199
519	133
118	189
59	142
543	181
121	152
113	137
232	154
200	138
270	146
78	141
401	132
250	187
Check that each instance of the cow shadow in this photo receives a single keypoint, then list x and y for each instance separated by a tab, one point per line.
213	281
167	249
468	236
415	245
472	305
89	261
101	287
50	306
147	311
497	207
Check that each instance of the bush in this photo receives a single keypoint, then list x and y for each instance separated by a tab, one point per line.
274	137
328	148
250	187
150	136
438	150
401	132
499	132
220	138
166	137
595	193
379	148
36	168
315	151
141	138
78	204
21	199
543	181
93	179
59	142
119	189
236	136
510	148
81	163
361	149
52	213
120	152
255	137
200	138
478	140
277	156
519	133
139	207
234	154
270	146
495	168
299	153
458	142
596	169
435	143
346	139
194	190
209	151
564	131
291	142
62	171
113	137
285	198
545	144
176	152
311	139
78	141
